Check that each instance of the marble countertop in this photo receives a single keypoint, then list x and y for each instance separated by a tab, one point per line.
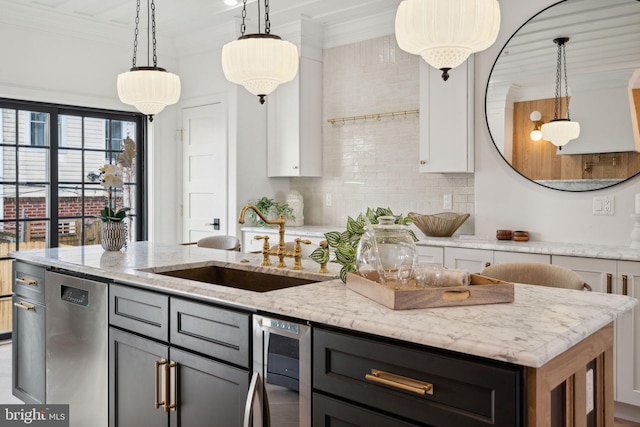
540	324
587	250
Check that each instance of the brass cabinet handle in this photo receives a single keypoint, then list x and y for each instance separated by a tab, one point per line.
397	381
172	385
487	264
24	281
609	283
159	403
24	306
423	162
625	284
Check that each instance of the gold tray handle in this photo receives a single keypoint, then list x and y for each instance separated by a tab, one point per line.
397	381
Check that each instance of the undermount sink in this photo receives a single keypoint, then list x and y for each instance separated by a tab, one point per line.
241	279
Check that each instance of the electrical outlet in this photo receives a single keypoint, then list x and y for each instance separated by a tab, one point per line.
447	202
328	200
603	205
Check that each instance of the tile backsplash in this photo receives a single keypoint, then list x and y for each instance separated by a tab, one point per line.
374	163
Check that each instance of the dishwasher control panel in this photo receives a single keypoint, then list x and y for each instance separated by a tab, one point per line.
74	295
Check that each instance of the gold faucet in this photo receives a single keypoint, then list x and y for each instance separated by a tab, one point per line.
280	252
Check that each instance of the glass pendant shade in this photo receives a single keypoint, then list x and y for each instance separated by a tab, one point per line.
260	62
446	32
559	132
149	89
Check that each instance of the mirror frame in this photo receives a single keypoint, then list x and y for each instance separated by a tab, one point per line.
622	180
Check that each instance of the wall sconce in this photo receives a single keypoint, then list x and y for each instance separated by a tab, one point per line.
536	133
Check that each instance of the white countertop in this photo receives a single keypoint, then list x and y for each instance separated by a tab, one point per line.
587	250
541	323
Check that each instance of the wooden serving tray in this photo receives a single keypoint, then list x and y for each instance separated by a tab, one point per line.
482	290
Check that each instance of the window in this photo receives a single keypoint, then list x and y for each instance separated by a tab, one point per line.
38	128
50	195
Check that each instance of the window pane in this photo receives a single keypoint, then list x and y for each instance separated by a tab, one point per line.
33	201
33	128
8	135
6	278
93	160
70	165
34	165
94	132
70	131
95	199
70	232
92	231
8	172
32	234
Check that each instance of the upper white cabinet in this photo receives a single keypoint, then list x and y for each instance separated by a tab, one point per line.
446	119
294	114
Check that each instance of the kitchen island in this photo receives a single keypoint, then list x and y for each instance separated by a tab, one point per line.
546	330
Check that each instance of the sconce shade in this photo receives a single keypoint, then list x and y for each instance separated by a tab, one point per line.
536	135
149	89
446	32
560	131
260	62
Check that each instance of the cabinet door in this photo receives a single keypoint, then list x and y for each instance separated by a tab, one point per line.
430	254
628	337
597	273
28	374
474	260
134	381
328	412
500	257
206	392
446	119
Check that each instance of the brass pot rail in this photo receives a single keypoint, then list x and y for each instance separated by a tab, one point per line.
377	117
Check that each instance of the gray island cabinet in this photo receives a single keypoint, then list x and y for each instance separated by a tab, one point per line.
185	347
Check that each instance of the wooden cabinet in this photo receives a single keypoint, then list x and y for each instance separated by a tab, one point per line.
294	124
447	119
406	384
620	277
29	345
192	359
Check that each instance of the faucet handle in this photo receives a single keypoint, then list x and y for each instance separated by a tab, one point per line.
265	250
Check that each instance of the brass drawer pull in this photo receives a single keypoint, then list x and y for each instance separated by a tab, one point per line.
24	305
24	281
609	283
397	381
173	386
158	403
625	285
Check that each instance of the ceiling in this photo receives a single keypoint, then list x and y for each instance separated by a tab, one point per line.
176	19
604	41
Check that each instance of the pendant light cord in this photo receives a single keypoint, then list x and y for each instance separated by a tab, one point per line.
561	65
267	22
152	16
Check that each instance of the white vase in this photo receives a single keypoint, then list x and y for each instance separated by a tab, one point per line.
113	235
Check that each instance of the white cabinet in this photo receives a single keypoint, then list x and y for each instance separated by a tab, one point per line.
474	260
500	257
433	254
447	119
294	124
620	277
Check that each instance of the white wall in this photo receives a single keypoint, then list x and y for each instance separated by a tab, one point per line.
505	200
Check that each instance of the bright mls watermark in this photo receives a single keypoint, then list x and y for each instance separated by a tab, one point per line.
34	415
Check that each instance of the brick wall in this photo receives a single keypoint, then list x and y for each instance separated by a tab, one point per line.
375	163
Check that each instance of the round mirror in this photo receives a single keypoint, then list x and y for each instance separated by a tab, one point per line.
601	87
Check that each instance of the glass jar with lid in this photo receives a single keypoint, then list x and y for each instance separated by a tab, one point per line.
387	253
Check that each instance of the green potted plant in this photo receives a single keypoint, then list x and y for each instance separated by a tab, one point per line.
345	243
270	209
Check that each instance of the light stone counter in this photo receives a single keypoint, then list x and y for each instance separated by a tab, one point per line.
539	325
547	248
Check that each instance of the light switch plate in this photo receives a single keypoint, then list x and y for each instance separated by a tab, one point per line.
603	205
447	202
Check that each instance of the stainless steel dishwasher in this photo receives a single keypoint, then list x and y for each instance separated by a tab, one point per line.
77	348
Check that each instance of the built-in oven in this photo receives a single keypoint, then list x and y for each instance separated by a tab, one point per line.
280	390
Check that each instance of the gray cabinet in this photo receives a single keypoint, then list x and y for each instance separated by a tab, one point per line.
176	361
28	376
411	384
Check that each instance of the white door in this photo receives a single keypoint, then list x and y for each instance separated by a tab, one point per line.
205	184
628	337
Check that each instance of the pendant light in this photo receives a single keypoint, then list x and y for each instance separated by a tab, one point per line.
148	88
446	32
259	62
560	131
